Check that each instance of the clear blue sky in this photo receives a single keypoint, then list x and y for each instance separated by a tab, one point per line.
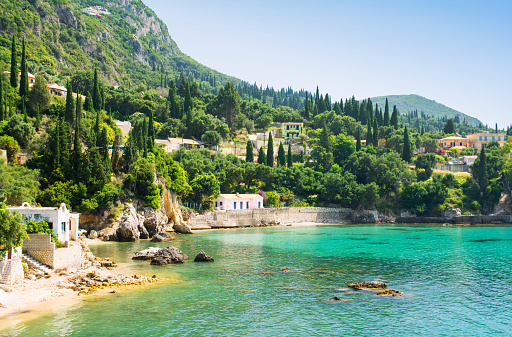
458	53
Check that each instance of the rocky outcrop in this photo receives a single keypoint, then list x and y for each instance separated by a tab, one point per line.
128	225
371	285
390	293
168	255
146	254
182	229
66	16
202	257
108	234
144	234
173	212
93	235
162	236
452	212
366	216
154	219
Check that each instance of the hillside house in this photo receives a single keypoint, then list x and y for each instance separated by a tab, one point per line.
482	138
238	201
95	10
292	130
31	78
63	222
57	90
453	141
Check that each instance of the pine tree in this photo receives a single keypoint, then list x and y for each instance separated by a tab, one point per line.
14	64
96	95
24	72
249	156
281	157
289	156
449	127
70	105
375	133
358	138
262	158
406	154
386	113
394	118
270	151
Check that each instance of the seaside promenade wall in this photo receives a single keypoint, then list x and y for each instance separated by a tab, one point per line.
463	219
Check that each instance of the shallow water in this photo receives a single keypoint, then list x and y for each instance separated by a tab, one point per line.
457	282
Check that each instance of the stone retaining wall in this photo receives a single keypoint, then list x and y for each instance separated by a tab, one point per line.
463	219
40	247
68	258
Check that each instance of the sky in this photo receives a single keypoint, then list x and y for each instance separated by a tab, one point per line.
457	53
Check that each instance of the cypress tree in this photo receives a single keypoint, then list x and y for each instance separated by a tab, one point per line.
172	100
249	156
88	102
144	139
301	156
281	157
78	110
406	154
70	105
2	97
394	118
482	172
96	95
115	153
56	159
14	64
306	108
270	151
375	133
188	99
289	156
325	140
369	134
24	72
38	120
386	113
358	138
422	130
77	151
151	132
262	158
24	110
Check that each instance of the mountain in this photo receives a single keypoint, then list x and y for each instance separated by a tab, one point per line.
129	46
406	103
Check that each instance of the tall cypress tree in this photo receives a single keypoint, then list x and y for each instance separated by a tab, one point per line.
144	139
394	118
386	113
375	133
306	108
406	153
88	106
1	97
24	72
270	151
358	139
14	64
249	156
188	99
482	173
115	153
77	151
56	157
262	158
369	134
38	120
70	105
172	100
151	132
78	110
289	156
96	95
281	157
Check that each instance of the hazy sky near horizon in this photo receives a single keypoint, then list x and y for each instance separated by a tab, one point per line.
455	52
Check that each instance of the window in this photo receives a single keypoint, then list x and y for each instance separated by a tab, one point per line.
499	138
63	226
259	204
485	138
492	137
247	205
480	138
241	205
221	203
287	127
460	143
215	203
234	205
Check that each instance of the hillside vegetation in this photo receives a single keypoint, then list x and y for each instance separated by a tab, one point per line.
406	103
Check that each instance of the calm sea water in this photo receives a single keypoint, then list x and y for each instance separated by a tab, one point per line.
458	282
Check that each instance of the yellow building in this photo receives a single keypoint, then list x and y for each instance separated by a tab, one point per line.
478	140
292	130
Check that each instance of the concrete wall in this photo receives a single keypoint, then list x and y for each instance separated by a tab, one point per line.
464	219
40	247
68	258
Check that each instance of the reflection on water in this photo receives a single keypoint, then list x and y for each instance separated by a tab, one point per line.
278	281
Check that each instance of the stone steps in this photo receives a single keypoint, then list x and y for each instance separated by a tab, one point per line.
33	263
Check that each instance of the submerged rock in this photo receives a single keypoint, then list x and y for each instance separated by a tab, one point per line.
371	285
168	255
162	236
146	254
390	292
338	299
202	257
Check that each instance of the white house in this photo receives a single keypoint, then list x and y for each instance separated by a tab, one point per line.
469	160
63	222
238	201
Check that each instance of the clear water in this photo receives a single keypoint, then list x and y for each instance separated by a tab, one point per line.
457	279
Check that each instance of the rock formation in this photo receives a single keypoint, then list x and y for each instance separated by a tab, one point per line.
128	225
162	236
146	254
371	285
168	255
173	212
202	257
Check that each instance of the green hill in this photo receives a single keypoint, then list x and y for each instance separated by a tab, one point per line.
406	103
129	46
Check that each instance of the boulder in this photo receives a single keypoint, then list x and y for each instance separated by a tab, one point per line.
154	220
365	217
168	255
182	229
146	254
202	257
162	236
451	212
129	225
390	292
108	234
371	285
93	234
144	234
159	261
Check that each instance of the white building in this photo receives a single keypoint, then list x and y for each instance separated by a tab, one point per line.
63	222
238	201
469	160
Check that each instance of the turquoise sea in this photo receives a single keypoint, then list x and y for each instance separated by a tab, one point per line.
457	280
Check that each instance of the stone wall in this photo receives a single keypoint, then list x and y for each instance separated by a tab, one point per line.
11	271
463	219
68	258
40	247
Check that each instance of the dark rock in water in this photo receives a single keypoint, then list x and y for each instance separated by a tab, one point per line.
390	292
162	236
202	257
159	261
144	234
168	255
146	254
338	299
372	285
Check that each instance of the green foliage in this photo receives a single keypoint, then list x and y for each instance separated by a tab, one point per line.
272	199
18	184
205	189
249	156
41	227
424	197
425	162
145	188
270	151
281	157
62	192
12	230
9	144
20	130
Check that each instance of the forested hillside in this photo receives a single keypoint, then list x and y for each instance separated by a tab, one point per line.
410	103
